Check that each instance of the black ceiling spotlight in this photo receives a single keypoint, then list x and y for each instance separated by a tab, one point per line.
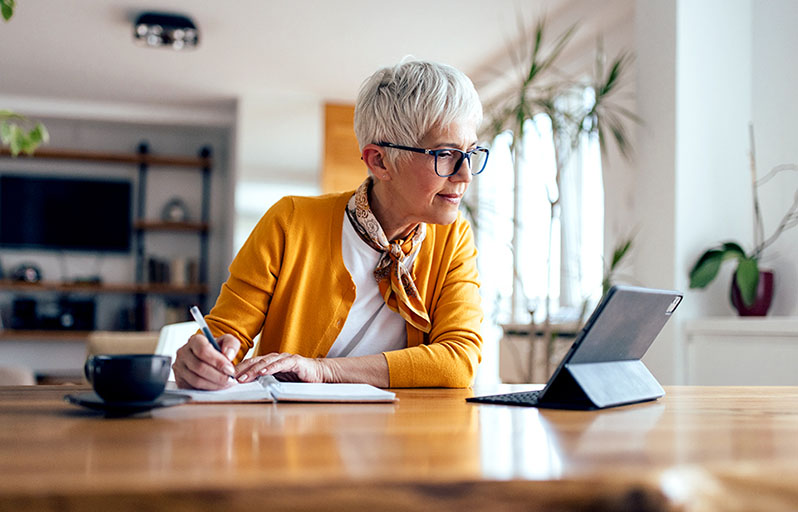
155	29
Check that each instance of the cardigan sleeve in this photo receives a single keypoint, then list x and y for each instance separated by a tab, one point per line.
454	347
244	299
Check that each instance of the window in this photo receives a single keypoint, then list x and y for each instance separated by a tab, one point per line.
254	198
571	272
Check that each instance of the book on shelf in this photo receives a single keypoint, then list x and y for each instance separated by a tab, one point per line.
174	271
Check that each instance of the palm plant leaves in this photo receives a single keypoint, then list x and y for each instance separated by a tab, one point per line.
606	117
618	254
535	59
543	90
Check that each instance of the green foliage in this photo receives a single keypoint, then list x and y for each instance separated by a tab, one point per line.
543	89
20	134
7	8
708	265
606	117
746	276
618	254
17	132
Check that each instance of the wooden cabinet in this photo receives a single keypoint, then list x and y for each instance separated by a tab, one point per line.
342	168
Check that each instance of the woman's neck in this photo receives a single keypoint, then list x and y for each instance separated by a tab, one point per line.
384	210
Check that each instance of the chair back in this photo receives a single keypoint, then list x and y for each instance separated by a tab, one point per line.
116	342
16	376
172	337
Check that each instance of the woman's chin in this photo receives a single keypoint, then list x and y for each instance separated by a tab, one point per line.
444	218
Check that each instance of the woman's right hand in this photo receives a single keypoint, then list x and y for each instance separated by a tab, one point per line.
200	366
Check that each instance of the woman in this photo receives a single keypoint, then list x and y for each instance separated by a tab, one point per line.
378	286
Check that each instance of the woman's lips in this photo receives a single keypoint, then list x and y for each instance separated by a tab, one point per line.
451	198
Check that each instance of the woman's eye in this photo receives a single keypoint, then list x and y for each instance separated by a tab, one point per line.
445	154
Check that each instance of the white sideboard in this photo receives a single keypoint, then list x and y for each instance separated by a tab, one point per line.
742	351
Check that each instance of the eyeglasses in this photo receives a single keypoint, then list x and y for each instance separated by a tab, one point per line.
449	160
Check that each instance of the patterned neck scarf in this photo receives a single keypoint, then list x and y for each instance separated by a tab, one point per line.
394	279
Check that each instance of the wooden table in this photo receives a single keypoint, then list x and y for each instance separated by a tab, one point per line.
725	448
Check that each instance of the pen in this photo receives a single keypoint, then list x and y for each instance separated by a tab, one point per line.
195	312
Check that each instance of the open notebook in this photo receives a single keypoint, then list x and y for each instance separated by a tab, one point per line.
268	389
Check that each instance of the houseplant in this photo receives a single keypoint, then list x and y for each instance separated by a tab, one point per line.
17	132
543	88
540	87
752	287
20	134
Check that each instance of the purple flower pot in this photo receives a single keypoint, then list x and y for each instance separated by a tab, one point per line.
764	295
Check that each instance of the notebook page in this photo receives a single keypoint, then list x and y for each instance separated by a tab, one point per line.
255	391
311	392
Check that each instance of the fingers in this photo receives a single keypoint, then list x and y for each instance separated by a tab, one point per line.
246	365
198	365
230	346
299	368
268	365
251	368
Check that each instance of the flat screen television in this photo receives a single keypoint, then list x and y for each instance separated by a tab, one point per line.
78	214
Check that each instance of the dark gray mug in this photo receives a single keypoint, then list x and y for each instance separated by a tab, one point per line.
128	377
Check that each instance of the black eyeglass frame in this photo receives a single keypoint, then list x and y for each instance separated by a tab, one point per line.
464	155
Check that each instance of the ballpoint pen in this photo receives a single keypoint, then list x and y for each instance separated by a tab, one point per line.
195	312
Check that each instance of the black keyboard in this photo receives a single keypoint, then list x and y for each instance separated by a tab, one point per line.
527	398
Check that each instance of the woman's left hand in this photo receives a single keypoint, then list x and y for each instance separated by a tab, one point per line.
289	366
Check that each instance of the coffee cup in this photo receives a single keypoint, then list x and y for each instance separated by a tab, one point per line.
128	377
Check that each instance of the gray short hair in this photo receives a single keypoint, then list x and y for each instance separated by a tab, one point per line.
401	104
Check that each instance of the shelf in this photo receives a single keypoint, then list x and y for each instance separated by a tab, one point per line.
142	162
120	158
53	286
743	326
159	225
52	335
43	335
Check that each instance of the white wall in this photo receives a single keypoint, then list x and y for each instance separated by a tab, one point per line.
694	97
775	111
654	254
713	91
705	69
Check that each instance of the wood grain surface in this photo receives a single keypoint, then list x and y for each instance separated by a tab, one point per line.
724	448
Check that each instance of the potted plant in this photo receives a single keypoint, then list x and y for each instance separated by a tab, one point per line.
751	287
541	87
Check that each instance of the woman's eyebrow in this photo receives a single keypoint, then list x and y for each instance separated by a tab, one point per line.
453	145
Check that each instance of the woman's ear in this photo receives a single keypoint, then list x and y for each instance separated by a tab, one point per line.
377	161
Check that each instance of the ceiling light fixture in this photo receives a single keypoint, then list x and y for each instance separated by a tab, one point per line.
155	29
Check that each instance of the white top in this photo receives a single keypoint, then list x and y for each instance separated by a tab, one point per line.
371	327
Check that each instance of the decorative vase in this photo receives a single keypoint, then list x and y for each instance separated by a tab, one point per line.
764	295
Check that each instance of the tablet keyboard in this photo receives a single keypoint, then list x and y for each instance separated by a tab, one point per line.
528	398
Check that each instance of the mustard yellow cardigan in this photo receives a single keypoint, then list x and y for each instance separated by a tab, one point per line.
289	283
